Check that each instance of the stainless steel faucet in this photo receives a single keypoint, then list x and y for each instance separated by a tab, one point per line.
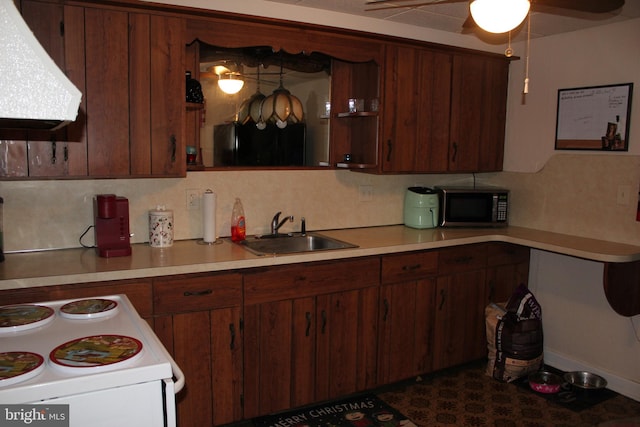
275	225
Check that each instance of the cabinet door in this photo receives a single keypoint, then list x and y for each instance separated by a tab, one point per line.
156	76
507	267
187	337
494	115
416	110
346	342
207	346
478	113
459	320
226	365
168	148
107	91
197	318
406	329
279	355
401	109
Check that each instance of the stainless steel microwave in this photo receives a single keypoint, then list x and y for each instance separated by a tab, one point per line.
473	207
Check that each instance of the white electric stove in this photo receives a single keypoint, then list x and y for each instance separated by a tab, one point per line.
95	354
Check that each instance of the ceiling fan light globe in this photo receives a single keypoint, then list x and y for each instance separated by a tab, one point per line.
499	16
230	85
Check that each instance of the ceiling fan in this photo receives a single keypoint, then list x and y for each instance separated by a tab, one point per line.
590	6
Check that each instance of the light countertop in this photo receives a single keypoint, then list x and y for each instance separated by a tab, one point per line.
46	268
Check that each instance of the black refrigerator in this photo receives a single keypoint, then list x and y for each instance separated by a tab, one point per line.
246	145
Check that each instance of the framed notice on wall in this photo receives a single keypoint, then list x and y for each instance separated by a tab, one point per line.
594	118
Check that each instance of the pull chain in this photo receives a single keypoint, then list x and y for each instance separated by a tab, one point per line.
526	70
509	52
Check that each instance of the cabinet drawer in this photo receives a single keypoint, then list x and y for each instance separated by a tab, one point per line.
462	258
138	292
304	280
196	292
401	267
506	253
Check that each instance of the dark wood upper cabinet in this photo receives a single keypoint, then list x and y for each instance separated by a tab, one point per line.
443	112
440	109
478	113
107	63
128	64
417	99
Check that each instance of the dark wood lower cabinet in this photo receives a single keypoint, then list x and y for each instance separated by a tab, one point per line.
346	342
405	346
197	318
406	329
265	340
310	333
459	320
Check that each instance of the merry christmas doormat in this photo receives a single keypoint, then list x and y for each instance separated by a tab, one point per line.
361	411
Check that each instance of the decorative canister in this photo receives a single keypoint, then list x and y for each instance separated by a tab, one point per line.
160	227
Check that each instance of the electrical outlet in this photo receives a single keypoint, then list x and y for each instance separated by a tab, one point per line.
365	193
624	195
193	199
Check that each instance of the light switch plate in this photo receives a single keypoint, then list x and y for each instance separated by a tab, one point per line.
193	199
624	195
365	193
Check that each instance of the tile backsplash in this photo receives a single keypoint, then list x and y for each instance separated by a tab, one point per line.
573	194
54	214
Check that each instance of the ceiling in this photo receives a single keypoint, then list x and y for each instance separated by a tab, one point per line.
449	17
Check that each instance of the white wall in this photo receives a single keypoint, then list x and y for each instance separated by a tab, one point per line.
581	332
593	57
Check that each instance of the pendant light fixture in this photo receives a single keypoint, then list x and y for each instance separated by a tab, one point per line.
499	16
281	107
251	108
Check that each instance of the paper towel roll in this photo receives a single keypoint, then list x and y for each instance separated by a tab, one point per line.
209	216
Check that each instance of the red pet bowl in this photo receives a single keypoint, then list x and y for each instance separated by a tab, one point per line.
545	382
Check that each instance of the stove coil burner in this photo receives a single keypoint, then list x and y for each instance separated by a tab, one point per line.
96	352
89	309
16	318
19	366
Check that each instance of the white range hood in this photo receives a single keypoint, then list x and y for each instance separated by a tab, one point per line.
34	92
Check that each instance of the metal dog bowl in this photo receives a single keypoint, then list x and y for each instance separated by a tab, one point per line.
585	380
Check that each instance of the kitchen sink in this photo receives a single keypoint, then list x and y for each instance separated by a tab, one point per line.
290	244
